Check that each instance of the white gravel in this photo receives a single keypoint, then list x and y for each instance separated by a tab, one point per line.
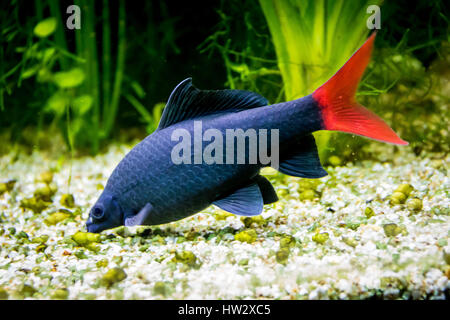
408	265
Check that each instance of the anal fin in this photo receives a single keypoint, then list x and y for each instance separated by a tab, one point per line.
267	191
302	159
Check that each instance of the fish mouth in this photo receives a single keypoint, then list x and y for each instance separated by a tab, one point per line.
91	227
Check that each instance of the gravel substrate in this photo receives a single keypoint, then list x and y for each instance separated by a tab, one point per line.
320	241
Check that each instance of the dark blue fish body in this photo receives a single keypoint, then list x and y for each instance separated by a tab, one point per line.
147	173
148	188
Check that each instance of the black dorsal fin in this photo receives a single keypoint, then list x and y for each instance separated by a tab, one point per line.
188	102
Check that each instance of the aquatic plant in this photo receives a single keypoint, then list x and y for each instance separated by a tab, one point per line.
313	39
241	39
82	84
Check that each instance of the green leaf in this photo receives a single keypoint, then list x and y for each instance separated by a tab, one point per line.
44	75
48	53
29	72
139	107
82	104
57	103
138	89
69	79
45	28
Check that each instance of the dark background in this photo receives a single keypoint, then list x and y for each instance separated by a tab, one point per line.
178	28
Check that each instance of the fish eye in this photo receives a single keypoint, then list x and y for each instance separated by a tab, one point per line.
98	213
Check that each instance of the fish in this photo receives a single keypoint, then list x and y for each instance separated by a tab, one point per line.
147	187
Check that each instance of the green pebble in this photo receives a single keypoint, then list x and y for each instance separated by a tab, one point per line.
181	239
10	184
350	242
381	246
41	239
113	276
405	188
442	242
7	186
368	212
102	263
46	177
392	282
45	193
287	242
36	270
391	229
85	238
397	198
158	239
27	291
335	161
414	204
305	184
89	296
117	259
186	257
191	235
34	204
282	255
41	248
3	188
67	200
446	257
258	220
320	237
222	215
60	294
248	236
93	246
22	235
3	294
160	288
56	218
243	262
352	225
337	233
307	195
12	230
80	254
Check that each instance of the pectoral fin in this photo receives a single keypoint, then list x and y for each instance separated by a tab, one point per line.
247	201
139	218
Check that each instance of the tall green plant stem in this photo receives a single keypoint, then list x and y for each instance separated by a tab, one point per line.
93	72
110	113
312	40
106	66
60	37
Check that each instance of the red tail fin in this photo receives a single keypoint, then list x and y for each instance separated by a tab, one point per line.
341	112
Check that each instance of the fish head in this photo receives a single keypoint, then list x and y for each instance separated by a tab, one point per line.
105	214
